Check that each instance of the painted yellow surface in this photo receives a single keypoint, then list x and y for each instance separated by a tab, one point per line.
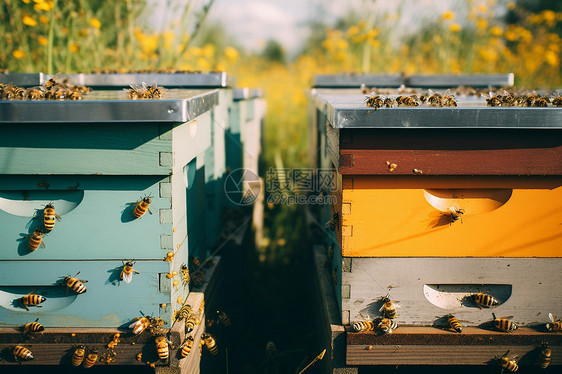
412	217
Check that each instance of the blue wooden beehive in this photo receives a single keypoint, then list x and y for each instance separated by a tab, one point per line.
92	158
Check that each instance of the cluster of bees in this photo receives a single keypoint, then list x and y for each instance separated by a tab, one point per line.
386	323
432	99
148	71
512	98
53	89
143	92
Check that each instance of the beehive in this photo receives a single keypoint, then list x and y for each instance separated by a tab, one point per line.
400	172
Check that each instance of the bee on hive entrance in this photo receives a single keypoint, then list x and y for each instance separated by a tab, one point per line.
387	325
509	364
504	324
374	101
447	100
142	206
32	299
76	285
184	312
454	323
388	308
162	347
191	322
434	99
484	300
127	271
557	101
90	359
35	240
545	356
553	325
455	213
32	328
187	346
49	216
21	353
78	355
492	100
33	94
361	326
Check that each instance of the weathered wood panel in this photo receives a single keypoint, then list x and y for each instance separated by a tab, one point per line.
532	289
410	216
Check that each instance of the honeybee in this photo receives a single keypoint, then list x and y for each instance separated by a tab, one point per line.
388	102
191	322
91	359
154	91
363	326
49	216
504	324
530	99
388	308
53	83
411	100
545	356
35	240
32	299
455	213
553	325
127	271
507	99
162	347
434	99
33	94
391	166
270	348
223	317
557	101
423	98
139	324
197	278
32	328
76	285
187	345
447	100
387	325
184	270
492	100
21	353
454	323
74	95
142	206
510	364
78	355
374	101
184	312
210	343
195	262
332	224
541	102
12	92
484	300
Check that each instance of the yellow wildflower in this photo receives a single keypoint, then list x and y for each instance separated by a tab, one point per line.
481	23
18	53
372	33
448	15
195	51
352	31
374	42
482	8
496	31
510	34
43	19
361	24
73	48
94	22
27	1
44	5
42	40
549	17
231	54
169	37
28	21
208	50
455	27
511	5
203	64
341	44
359	39
551	58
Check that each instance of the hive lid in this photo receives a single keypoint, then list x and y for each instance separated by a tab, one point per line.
112	106
23	79
347	109
168	80
455	80
356	80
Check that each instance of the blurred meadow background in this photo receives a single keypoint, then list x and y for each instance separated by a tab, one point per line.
280	46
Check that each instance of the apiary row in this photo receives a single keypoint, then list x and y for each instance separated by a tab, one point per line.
438	208
138	191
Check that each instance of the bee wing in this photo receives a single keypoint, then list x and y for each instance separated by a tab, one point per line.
83	281
506	317
127	278
551	317
448	92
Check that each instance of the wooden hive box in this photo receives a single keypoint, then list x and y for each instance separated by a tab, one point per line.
91	159
400	171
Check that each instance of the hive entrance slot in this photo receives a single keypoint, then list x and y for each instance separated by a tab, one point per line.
473	201
454	296
57	297
28	203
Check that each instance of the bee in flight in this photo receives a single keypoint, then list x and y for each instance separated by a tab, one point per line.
553	325
49	216
32	299
90	359
454	323
484	300
21	353
504	324
545	356
162	347
78	355
187	346
270	348
35	240
388	308
142	206
210	343
387	325
32	328
76	285
127	271
224	318
363	326
509	364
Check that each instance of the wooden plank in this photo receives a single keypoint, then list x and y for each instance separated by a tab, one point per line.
451	152
407	216
530	295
